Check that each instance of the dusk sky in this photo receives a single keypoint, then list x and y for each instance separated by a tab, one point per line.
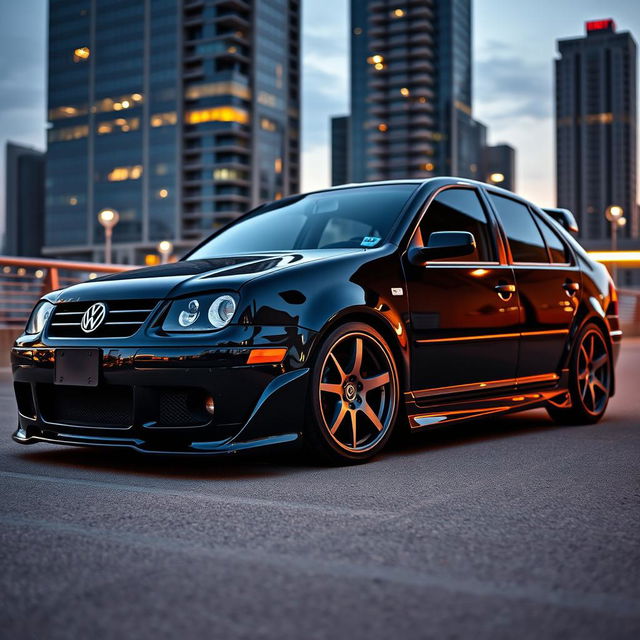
514	44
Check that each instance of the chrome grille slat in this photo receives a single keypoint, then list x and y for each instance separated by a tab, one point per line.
124	318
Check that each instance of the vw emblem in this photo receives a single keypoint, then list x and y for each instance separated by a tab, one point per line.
93	317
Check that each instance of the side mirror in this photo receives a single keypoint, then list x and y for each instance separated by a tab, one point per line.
443	244
565	218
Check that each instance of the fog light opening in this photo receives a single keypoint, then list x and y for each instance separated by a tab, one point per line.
209	405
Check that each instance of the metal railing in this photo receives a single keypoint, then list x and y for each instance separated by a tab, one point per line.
24	280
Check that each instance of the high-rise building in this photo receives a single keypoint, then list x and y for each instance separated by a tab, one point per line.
24	201
596	128
340	165
499	166
179	114
411	90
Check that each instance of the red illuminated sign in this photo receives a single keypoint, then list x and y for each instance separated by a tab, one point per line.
601	25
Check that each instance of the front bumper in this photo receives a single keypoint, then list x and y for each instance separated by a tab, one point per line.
152	398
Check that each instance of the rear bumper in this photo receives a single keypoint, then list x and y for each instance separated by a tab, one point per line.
152	399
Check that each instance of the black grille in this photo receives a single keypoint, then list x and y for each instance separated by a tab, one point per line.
182	409
105	406
123	318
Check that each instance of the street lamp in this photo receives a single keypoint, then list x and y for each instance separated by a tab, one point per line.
614	214
165	249
108	218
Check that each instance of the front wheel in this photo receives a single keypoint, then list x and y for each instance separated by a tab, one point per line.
354	395
590	377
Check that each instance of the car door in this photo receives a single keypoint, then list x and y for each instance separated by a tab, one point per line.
548	284
463	318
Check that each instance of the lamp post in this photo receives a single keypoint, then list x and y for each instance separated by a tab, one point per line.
108	218
165	249
614	214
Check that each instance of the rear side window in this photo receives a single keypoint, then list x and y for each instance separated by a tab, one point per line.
524	237
460	210
557	248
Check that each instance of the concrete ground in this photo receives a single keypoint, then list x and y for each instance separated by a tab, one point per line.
509	528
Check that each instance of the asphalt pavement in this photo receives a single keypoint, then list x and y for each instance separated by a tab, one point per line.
508	528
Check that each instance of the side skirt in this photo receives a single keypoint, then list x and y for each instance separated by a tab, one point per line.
443	409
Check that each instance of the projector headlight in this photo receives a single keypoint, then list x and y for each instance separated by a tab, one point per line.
39	316
204	313
221	311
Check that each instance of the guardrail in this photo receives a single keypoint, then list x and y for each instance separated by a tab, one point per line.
24	280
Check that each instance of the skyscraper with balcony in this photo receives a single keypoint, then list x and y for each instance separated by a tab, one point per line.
411	91
180	114
596	129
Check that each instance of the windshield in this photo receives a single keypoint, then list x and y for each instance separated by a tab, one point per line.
345	218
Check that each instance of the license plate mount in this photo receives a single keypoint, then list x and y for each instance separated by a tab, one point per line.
77	367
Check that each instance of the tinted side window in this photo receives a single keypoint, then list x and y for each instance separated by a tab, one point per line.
524	237
460	210
557	248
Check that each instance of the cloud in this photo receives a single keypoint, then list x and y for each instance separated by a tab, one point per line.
325	89
509	86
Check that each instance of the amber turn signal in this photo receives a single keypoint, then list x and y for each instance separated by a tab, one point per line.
266	356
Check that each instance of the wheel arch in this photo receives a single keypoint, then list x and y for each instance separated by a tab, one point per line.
599	321
378	322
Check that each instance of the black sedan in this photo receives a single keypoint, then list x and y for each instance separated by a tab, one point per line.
330	318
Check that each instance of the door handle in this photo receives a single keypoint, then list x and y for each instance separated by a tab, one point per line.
505	291
571	288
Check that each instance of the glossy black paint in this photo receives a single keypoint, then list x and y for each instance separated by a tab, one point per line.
465	342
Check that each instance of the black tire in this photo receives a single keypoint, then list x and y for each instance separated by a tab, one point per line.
354	396
590	378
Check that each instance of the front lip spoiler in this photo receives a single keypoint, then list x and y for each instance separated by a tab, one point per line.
195	448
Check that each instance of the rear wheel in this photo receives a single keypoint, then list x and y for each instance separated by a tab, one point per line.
590	377
354	395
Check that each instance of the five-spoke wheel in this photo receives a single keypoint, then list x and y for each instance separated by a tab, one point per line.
589	380
355	394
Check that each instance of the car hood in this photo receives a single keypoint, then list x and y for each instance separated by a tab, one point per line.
191	276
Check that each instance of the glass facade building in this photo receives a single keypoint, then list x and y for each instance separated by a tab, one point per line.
179	114
596	129
411	99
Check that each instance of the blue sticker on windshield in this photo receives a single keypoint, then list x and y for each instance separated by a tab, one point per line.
370	241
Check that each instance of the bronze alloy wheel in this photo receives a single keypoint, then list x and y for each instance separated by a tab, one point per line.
356	392
590	380
594	372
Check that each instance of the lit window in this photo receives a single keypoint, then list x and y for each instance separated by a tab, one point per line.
81	53
382	127
399	13
126	101
217	114
277	165
379	66
404	91
429	166
268	125
208	89
73	201
119	174
163	193
118	125
496	177
229	174
68	133
163	119
267	99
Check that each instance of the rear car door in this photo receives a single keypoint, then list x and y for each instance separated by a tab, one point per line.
464	329
548	283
